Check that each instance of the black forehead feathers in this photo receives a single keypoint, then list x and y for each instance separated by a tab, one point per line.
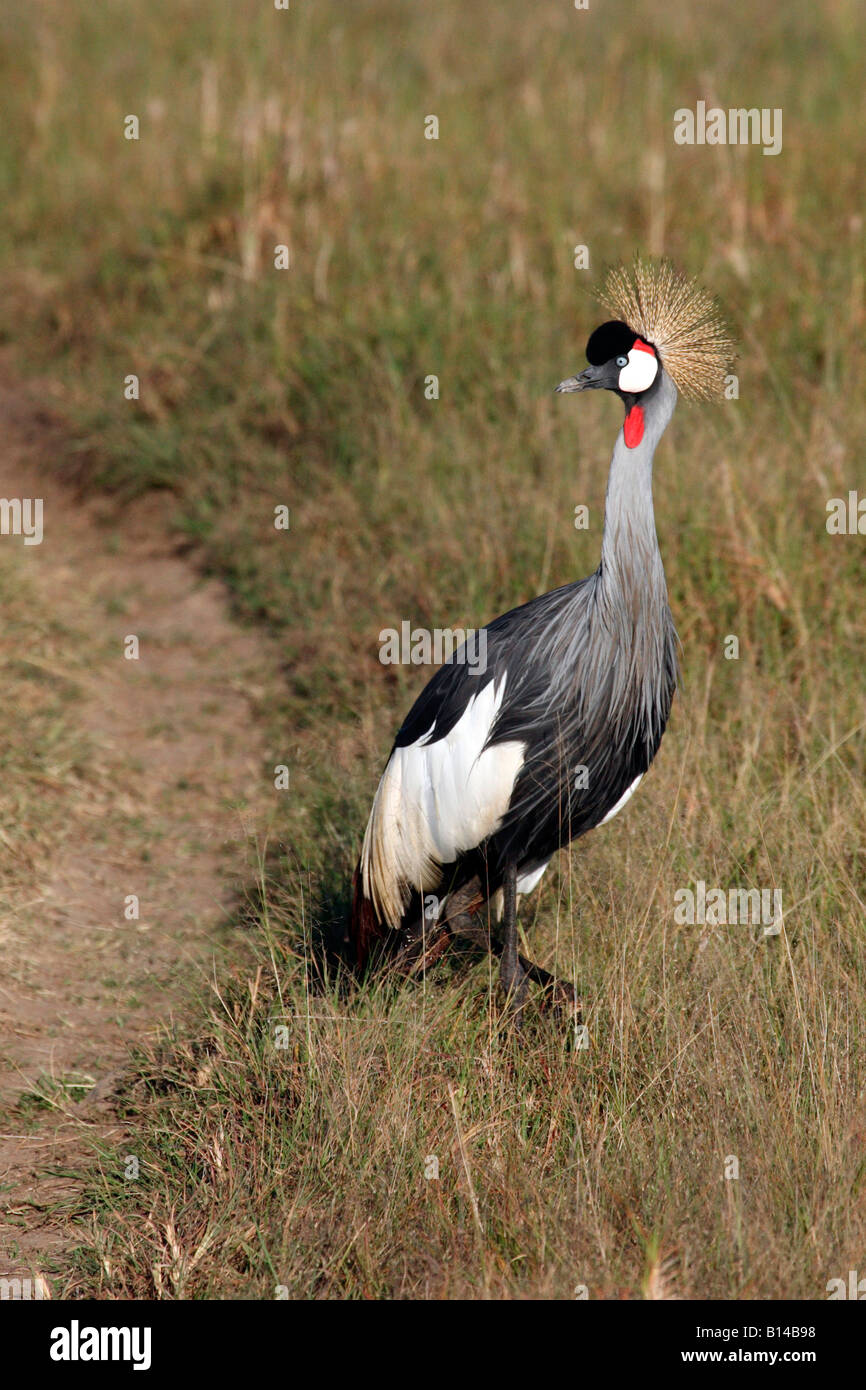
611	339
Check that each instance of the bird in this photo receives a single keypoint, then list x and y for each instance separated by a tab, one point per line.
493	772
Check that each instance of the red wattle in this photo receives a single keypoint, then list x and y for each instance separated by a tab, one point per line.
633	428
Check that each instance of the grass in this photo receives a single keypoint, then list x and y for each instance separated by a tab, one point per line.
304	1168
299	1161
52	1093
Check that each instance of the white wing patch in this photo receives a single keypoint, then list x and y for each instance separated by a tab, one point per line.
436	801
627	794
531	878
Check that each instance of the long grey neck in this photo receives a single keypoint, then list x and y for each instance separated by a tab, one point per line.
630	558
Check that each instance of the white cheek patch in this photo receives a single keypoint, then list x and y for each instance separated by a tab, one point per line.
640	372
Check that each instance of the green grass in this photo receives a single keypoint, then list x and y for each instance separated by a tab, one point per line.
51	1093
306	388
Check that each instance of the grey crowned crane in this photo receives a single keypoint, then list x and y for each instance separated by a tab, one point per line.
492	773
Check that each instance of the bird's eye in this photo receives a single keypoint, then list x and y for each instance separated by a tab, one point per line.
622	361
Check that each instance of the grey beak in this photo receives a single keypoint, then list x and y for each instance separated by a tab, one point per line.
584	382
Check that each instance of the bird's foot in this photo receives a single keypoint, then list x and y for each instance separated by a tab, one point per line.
560	996
563	1000
418	954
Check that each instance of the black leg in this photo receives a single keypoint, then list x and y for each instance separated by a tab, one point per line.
511	973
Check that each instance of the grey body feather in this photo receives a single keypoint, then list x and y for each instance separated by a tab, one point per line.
591	672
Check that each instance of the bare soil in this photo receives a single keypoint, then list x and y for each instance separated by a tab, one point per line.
173	801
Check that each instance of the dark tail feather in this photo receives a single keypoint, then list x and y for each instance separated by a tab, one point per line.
365	929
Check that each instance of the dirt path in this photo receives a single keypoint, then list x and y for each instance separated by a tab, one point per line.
167	805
